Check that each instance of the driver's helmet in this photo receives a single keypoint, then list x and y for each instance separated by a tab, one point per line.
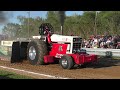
46	28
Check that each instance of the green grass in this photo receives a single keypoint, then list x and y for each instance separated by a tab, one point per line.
11	75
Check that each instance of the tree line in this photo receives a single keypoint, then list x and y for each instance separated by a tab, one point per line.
89	23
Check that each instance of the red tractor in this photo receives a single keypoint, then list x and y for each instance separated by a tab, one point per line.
49	48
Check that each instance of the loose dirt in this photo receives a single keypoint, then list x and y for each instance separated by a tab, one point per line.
105	68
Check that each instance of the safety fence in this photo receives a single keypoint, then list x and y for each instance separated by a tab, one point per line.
103	52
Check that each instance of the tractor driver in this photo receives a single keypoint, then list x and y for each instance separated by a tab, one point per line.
46	30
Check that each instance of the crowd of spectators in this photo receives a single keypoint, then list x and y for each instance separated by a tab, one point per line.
102	41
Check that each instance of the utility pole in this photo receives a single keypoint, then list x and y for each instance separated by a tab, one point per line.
95	27
28	24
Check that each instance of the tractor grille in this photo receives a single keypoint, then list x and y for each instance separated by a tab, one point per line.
76	45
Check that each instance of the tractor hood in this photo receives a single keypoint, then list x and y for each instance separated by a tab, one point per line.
62	38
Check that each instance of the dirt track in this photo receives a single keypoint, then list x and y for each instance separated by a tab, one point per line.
104	69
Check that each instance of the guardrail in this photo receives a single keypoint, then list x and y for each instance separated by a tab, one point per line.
103	52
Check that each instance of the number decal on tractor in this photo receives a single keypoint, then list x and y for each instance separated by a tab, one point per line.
60	48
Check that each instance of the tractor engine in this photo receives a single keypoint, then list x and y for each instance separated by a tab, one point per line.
66	44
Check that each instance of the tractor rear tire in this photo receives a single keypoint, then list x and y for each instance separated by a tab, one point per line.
40	49
66	62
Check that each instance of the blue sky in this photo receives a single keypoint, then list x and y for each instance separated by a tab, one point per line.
37	13
14	14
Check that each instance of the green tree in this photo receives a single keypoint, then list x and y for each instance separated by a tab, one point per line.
30	28
12	30
53	18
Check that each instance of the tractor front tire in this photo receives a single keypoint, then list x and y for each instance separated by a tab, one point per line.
66	62
36	51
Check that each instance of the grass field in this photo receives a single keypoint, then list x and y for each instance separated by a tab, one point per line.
10	75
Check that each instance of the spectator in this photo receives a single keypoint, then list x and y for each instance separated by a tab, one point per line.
106	41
